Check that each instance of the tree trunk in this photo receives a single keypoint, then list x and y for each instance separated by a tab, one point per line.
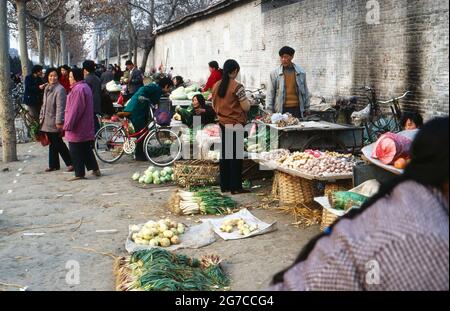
6	108
51	55
147	51
64	60
41	42
135	56
118	50
23	48
69	58
58	56
130	46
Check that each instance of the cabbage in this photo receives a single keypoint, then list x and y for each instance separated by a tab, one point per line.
192	88
168	170
136	176
112	87
157	181
141	179
178	94
151	169
156	174
163	173
148	179
192	94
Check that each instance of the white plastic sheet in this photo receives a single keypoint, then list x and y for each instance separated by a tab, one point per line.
194	237
248	217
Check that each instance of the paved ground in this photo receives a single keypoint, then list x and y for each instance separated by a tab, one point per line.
69	213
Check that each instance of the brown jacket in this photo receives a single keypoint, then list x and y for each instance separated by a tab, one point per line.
229	109
53	108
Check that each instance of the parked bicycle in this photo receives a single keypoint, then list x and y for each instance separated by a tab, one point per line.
162	146
376	117
21	112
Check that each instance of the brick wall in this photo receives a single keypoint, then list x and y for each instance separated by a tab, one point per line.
340	51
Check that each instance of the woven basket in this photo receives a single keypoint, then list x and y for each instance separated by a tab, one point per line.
275	192
196	173
295	190
340	185
328	218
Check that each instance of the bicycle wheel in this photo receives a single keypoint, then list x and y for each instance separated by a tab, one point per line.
109	143
162	147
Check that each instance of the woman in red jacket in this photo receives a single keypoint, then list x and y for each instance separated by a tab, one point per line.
64	77
216	76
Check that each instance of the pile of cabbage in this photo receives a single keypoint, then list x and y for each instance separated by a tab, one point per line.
154	176
187	93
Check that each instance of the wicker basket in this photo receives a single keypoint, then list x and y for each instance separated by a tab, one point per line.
328	218
295	190
340	185
196	173
275	192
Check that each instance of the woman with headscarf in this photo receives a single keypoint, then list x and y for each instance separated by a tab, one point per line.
397	241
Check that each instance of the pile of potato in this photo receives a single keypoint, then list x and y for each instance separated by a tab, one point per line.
328	163
163	233
229	226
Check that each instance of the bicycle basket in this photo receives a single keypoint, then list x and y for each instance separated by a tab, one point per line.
163	117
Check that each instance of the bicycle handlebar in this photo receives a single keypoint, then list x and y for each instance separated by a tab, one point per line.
395	99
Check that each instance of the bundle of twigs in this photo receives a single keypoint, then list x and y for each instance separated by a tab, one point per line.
305	216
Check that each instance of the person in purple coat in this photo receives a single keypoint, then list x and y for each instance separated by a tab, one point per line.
79	126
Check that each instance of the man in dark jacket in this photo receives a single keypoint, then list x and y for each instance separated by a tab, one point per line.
34	91
136	80
96	86
107	76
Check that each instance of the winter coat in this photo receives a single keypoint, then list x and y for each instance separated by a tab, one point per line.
53	108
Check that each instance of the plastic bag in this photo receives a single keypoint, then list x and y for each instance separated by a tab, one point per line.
345	200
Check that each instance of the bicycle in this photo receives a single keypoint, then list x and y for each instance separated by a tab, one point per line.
162	146
22	113
258	103
374	118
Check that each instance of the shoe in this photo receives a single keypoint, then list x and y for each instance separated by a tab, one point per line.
225	191
97	173
76	178
242	191
51	170
70	168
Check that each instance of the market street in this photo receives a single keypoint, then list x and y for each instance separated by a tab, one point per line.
70	213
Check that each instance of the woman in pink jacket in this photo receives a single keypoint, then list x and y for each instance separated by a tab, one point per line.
79	126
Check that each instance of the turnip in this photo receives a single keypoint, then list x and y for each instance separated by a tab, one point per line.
175	240
168	234
165	242
153	243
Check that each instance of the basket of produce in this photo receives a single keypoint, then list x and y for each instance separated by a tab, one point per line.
295	190
194	173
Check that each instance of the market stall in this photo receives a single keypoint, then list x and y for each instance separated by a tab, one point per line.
318	135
